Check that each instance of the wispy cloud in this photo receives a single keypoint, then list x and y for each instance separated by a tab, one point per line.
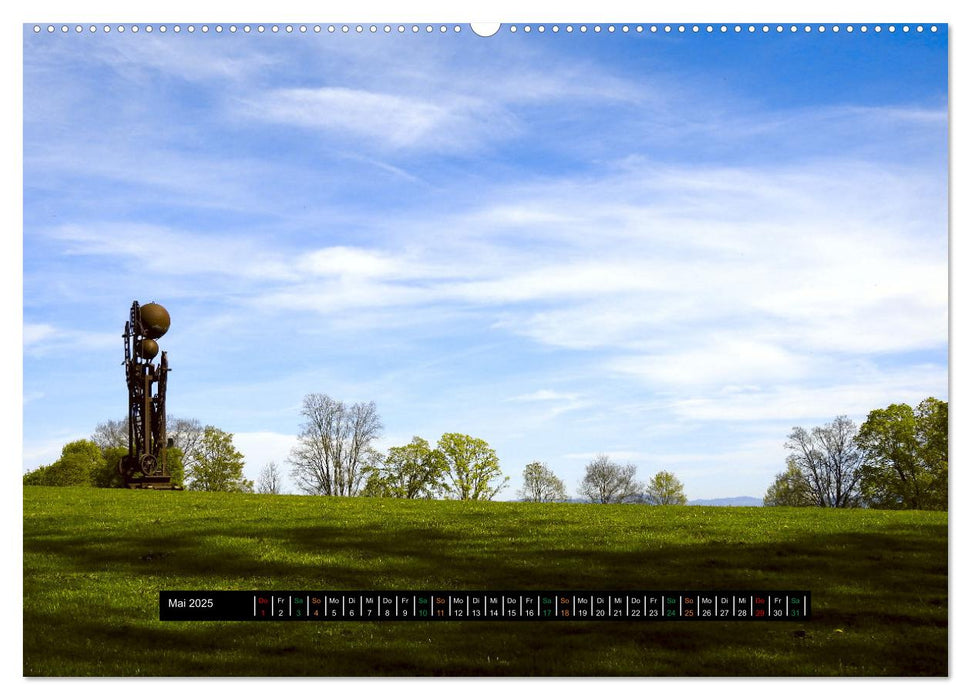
384	119
37	332
46	339
855	394
173	252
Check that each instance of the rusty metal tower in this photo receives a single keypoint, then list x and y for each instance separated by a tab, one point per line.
144	465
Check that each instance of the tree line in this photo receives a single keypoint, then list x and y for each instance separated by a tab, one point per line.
898	459
335	455
199	457
605	481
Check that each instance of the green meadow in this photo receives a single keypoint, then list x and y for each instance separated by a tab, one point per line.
95	560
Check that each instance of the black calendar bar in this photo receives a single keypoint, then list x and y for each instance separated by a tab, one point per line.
484	606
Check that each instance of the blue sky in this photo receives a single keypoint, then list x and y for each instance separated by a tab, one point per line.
670	248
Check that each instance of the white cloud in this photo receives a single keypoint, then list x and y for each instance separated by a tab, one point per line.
173	252
385	119
43	339
144	57
788	262
37	332
550	404
346	261
722	360
545	395
824	398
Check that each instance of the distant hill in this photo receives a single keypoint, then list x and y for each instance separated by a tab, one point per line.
736	501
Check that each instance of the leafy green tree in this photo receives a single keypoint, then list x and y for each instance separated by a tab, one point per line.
219	465
932	448
471	468
80	461
789	488
541	485
414	470
607	481
829	459
108	476
906	460
37	476
375	485
174	465
665	489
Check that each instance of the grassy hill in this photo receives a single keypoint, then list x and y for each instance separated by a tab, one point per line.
95	559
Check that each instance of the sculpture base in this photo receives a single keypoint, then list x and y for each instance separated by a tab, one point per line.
160	483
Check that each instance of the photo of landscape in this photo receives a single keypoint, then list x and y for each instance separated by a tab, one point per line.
477	308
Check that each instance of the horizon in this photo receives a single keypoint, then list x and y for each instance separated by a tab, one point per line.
671	249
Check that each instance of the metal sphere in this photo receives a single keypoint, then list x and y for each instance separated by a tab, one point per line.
155	320
148	348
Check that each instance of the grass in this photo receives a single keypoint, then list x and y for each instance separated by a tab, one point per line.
95	559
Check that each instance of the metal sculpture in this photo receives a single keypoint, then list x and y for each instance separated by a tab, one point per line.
144	465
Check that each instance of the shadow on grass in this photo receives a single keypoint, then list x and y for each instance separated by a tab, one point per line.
880	601
94	562
350	556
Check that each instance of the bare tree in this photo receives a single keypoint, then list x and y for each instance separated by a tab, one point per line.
829	459
111	433
187	434
608	482
270	480
334	446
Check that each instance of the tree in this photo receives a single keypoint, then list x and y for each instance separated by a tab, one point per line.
334	448
664	489
270	480
789	488
541	485
218	465
414	470
829	460
608	482
79	462
186	434
906	460
110	434
471	468
174	465
108	476
932	448
375	486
